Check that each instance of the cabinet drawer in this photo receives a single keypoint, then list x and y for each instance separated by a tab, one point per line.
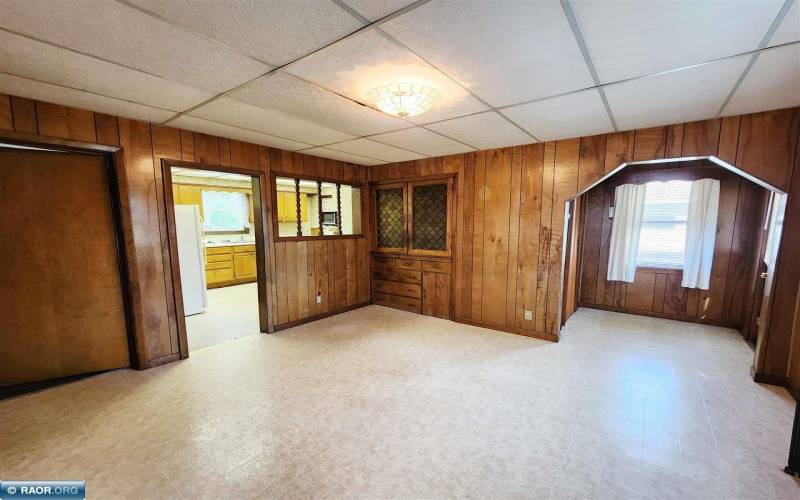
244	248
219	275
400	275
395	288
218	250
408	264
382	262
219	265
218	257
404	303
436	267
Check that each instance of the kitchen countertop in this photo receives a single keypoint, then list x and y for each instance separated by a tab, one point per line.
229	243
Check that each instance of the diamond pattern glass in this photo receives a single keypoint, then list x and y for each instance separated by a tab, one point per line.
430	217
389	209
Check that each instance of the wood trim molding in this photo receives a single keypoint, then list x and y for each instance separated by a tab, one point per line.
309	319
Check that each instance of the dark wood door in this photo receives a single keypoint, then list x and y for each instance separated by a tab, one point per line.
61	303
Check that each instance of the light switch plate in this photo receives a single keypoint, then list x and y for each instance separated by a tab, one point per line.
529	315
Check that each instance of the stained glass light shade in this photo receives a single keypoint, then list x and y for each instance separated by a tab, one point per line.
404	99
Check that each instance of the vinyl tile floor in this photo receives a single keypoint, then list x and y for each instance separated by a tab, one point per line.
379	403
232	313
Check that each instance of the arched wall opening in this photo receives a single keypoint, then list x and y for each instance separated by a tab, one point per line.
748	236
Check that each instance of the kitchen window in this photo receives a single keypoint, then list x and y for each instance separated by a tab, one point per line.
663	236
225	211
315	208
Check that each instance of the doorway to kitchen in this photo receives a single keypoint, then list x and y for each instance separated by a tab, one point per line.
216	249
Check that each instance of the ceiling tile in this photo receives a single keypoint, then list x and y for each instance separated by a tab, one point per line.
239	114
276	32
32	89
483	131
222	130
293	96
356	65
376	9
342	156
29	58
372	149
571	115
789	29
678	96
124	35
423	141
772	83
505	54
633	38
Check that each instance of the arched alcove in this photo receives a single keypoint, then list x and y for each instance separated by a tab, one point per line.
743	268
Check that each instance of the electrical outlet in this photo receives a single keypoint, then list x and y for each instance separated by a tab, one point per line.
319	297
529	315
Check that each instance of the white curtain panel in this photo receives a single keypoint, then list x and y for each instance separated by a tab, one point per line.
625	230
701	233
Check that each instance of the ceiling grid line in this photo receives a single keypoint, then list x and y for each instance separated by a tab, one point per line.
566	6
280	68
401	45
787	5
98	94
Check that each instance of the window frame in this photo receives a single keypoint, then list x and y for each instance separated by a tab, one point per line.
318	179
648	266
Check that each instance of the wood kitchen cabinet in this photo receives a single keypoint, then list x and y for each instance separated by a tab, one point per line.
230	265
287	207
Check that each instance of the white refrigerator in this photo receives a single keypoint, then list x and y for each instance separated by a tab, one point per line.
189	232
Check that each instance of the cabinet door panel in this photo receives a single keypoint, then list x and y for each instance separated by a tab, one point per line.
244	266
390	218
430	222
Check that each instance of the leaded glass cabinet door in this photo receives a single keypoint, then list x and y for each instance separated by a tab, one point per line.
390	218
430	221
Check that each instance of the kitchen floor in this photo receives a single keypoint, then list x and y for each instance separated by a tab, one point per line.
232	313
379	403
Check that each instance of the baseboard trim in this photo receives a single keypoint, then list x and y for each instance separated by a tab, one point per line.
507	329
777	380
309	319
163	360
687	319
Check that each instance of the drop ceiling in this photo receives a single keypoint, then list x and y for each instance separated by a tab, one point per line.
294	74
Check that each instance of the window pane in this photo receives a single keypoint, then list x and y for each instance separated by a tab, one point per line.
330	214
351	209
309	208
286	208
224	211
430	217
775	228
663	237
389	212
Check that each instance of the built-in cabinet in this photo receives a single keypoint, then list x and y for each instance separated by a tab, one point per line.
287	206
230	265
413	225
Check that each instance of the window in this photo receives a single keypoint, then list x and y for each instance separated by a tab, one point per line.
774	227
663	236
224	211
315	208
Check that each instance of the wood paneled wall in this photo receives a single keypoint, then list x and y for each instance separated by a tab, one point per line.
337	267
511	206
657	292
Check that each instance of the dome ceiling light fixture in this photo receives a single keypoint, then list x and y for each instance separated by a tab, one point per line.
404	99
